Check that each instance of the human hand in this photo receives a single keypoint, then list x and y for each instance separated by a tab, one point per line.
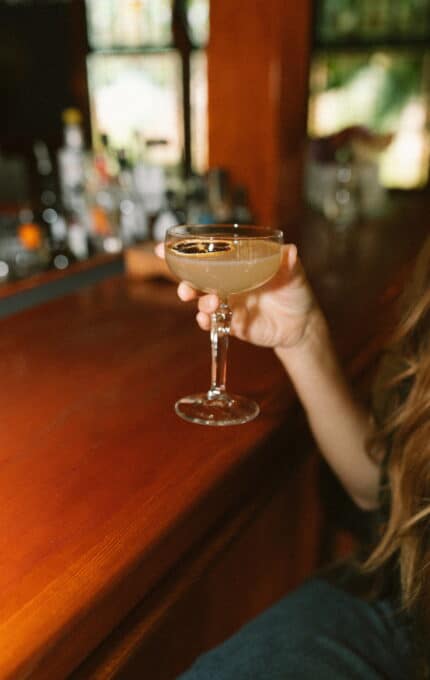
274	315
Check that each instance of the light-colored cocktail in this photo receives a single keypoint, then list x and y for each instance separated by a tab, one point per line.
222	266
226	260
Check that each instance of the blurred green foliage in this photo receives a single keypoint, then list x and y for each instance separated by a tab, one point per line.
400	78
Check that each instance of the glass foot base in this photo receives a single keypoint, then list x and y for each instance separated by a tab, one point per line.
226	410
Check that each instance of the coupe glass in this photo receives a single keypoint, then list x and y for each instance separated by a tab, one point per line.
221	259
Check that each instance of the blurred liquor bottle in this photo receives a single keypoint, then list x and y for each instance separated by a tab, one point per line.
63	228
29	250
72	167
171	214
241	210
23	245
102	197
197	205
342	203
220	195
71	160
149	180
46	190
105	162
133	217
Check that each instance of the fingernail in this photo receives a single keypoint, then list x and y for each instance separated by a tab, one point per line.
292	256
213	302
183	290
159	249
201	319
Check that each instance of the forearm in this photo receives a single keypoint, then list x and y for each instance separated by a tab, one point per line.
339	424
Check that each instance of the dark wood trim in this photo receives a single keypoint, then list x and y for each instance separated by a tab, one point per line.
258	90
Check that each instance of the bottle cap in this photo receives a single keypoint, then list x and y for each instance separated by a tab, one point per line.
72	116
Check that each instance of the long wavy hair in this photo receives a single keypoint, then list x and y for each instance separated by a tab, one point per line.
404	435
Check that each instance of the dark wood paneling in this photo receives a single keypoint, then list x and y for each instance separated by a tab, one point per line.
258	82
42	71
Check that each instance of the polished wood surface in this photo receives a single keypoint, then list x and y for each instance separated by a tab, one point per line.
258	58
105	492
9	288
97	472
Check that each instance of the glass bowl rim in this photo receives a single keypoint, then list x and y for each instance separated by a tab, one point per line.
180	231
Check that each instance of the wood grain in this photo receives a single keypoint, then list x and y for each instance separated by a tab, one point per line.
96	469
258	83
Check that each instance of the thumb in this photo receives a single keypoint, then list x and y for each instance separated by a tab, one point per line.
291	256
289	262
159	250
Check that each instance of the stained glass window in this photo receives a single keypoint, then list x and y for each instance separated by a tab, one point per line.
139	96
129	23
198	21
135	78
340	21
199	108
371	68
383	91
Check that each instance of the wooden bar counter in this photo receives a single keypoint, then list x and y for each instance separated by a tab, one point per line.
131	540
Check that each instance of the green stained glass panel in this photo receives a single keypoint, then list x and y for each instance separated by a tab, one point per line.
129	23
384	91
198	21
199	111
138	96
338	21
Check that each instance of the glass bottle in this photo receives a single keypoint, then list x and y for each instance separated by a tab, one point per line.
219	194
169	216
133	219
31	246
341	205
241	211
71	159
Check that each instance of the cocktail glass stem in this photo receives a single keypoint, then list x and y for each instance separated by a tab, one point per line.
220	331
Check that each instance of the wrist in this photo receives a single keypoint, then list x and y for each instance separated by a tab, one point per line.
314	338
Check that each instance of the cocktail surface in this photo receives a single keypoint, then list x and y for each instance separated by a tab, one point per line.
223	266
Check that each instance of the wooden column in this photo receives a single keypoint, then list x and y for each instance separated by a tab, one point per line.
258	60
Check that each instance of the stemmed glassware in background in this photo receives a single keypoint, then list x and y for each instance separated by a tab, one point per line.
221	259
